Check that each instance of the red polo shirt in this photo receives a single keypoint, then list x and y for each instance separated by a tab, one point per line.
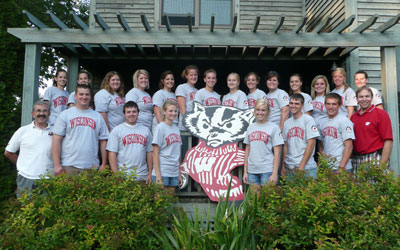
371	129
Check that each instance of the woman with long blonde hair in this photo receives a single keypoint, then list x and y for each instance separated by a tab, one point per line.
342	88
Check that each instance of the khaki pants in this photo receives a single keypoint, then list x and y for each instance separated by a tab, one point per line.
71	171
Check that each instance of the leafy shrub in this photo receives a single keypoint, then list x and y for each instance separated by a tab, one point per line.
335	211
92	210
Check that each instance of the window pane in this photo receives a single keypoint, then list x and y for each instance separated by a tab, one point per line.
222	9
180	7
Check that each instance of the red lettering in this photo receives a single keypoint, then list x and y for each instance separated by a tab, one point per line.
118	100
173	138
61	100
212	101
134	138
271	102
147	99
318	105
295	132
330	131
229	102
191	95
83	121
259	136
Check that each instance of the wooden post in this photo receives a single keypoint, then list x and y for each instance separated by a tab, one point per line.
390	61
92	10
31	80
353	60
73	69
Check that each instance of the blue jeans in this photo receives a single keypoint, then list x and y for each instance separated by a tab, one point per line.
310	172
168	181
259	179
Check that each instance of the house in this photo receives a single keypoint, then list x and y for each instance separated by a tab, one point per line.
290	36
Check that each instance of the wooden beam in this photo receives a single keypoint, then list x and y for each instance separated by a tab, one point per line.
175	50
390	81
279	49
141	50
167	23
330	50
365	25
31	81
87	48
193	50
122	47
106	49
158	50
227	51
209	50
122	21
344	25
34	20
260	51
278	24
78	21
256	23
312	51
212	23
73	70
322	25
392	22
295	50
244	50
100	21
300	25
145	23
57	21
347	50
189	21
205	37
234	24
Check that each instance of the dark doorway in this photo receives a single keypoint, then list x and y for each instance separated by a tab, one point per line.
308	70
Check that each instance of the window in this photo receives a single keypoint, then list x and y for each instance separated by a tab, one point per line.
201	11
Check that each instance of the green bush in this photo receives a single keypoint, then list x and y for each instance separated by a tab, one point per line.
335	211
92	210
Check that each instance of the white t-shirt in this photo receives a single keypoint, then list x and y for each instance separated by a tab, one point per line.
262	138
71	98
207	98
169	140
277	100
319	112
348	99
82	130
34	145
253	97
308	103
377	97
188	92
159	98
333	134
58	100
143	100
131	143
237	100
296	132
112	104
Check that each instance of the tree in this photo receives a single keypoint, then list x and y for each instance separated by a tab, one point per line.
12	53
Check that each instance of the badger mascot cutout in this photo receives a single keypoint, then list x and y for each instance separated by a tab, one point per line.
219	129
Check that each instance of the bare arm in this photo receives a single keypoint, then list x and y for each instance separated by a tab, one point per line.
350	111
104	115
284	116
348	149
103	152
309	112
307	153
157	113
149	158
181	104
156	163
246	164
56	154
380	106
71	105
112	157
387	150
277	157
13	157
285	151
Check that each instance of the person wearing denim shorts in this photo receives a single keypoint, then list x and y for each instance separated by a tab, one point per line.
263	141
167	149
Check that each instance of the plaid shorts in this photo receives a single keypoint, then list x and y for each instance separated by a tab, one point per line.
358	159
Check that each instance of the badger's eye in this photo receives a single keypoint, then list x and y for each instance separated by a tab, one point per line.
205	126
228	125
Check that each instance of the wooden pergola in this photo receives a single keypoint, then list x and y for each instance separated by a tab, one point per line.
104	42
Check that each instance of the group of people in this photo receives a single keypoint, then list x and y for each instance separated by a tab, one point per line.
141	134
